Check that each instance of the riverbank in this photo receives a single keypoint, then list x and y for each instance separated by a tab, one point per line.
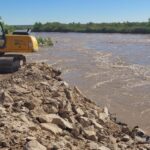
40	111
113	67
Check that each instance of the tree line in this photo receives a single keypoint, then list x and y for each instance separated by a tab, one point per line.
126	27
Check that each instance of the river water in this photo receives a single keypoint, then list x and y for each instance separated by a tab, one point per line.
112	69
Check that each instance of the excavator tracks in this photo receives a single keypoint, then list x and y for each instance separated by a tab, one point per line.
10	63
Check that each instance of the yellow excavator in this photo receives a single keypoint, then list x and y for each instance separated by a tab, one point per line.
11	48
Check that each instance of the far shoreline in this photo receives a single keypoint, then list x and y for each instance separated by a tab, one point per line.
110	28
93	33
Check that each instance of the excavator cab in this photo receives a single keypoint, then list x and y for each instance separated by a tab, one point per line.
12	44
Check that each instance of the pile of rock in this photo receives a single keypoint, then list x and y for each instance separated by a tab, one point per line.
39	111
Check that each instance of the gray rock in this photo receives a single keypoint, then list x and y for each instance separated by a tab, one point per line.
51	127
58	145
55	119
104	116
24	118
65	84
47	118
122	146
140	139
5	98
4	144
29	104
125	138
140	136
2	97
47	77
93	146
51	101
48	108
90	134
18	127
19	90
68	106
44	83
62	123
34	145
104	148
76	131
96	125
138	132
2	110
79	111
55	94
30	138
85	122
69	94
76	89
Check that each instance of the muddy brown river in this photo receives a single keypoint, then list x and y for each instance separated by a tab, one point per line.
112	69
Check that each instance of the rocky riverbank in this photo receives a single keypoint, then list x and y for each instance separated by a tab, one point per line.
39	111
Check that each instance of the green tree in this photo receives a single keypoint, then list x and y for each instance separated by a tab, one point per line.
37	27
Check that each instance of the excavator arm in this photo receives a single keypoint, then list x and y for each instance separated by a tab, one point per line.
2	38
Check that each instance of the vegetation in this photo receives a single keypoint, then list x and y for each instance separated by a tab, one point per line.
126	27
44	41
